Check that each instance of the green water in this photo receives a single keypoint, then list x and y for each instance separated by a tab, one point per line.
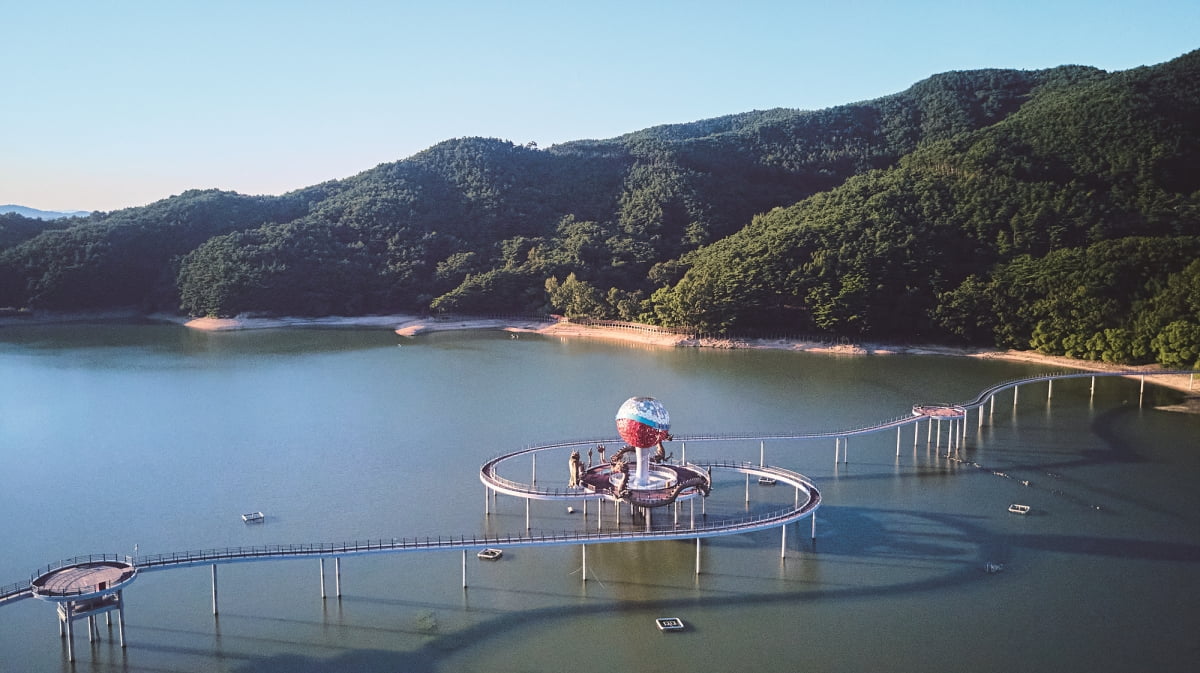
113	436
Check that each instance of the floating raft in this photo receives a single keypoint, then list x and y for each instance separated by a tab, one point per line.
1018	509
253	517
669	624
490	554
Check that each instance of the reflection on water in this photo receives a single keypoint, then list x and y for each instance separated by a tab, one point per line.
116	435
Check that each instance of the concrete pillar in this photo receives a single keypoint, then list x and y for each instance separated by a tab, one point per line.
214	583
121	616
70	632
337	576
322	578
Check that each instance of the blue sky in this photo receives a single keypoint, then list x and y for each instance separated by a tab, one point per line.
116	104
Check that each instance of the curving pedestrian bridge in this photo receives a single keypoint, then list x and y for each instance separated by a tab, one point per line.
807	500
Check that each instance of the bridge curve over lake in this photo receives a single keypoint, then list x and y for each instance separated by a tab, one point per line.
42	583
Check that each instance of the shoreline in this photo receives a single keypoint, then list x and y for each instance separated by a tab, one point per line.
409	325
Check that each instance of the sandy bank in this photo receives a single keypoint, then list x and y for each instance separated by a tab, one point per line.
411	325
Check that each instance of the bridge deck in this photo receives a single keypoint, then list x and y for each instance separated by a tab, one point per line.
709	528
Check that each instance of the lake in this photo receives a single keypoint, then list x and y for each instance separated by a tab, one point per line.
154	437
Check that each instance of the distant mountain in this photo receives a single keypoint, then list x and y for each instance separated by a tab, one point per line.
41	214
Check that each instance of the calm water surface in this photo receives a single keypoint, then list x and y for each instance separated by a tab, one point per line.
155	437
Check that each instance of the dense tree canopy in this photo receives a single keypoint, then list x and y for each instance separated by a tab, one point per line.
1054	209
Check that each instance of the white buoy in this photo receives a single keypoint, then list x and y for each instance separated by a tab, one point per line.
570	510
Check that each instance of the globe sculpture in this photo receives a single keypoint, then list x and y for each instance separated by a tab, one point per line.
643	422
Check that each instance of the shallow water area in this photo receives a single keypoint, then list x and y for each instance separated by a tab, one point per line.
158	436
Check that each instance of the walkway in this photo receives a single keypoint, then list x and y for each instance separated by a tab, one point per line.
707	528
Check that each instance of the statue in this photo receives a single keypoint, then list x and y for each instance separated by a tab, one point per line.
576	467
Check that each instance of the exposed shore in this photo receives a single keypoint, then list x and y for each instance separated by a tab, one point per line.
411	325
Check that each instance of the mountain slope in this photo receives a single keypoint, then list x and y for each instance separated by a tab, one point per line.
890	217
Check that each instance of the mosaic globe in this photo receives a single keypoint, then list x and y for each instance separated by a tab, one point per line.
643	422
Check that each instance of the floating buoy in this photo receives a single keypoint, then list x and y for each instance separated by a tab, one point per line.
570	510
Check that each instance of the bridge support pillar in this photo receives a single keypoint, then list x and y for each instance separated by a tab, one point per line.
1016	393
322	578
70	633
897	441
464	568
71	611
697	556
583	551
526	513
214	583
337	576
814	525
121	616
783	541
1049	389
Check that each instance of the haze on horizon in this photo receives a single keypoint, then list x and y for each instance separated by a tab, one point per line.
121	104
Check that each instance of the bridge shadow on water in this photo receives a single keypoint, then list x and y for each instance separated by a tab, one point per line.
951	557
945	549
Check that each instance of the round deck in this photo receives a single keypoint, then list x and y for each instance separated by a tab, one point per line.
83	580
938	411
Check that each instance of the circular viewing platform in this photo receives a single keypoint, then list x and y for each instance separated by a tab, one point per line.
80	581
665	484
938	411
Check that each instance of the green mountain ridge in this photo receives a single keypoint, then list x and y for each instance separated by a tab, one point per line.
893	218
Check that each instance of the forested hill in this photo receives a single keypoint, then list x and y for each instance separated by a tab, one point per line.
1056	209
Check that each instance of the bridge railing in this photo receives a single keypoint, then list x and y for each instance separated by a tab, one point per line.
11	590
454	541
76	560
